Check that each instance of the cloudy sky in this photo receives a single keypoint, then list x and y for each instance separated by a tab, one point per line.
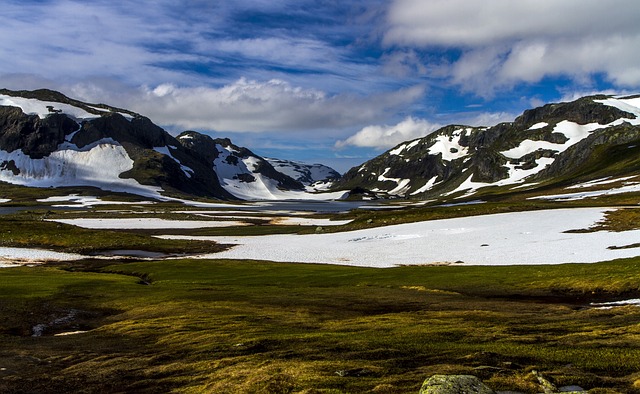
325	81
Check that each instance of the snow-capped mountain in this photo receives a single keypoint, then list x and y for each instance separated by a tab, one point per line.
50	140
241	172
307	174
564	142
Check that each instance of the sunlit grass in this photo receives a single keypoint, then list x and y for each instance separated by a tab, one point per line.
250	327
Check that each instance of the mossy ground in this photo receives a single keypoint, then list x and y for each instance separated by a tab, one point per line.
258	327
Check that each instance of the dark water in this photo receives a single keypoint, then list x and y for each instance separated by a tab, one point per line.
10	210
308	206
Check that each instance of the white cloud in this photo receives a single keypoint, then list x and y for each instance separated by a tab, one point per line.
383	137
254	106
504	42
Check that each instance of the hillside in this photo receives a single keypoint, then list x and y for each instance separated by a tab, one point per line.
50	140
562	143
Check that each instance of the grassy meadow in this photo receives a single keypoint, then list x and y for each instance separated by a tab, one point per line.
257	327
221	326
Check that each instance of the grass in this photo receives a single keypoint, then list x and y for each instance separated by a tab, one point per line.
31	229
257	327
194	326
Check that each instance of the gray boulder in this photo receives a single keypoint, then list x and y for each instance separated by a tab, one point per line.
454	384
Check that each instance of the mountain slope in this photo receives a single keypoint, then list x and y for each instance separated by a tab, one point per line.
50	140
553	143
307	174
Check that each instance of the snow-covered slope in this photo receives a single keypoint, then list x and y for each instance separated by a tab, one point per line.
546	144
307	174
50	140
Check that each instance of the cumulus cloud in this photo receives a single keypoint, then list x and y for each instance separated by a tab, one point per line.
505	42
383	137
257	106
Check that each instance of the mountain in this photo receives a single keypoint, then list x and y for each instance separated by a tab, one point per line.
563	142
50	140
307	174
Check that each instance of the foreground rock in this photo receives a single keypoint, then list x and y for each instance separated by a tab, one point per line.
454	384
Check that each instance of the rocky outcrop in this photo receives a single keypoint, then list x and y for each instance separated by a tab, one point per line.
454	384
34	136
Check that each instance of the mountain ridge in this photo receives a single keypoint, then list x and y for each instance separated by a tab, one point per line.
543	145
50	140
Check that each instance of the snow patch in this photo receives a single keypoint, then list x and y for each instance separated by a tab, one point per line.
449	147
38	107
538	126
627	105
426	186
87	201
99	164
535	237
165	151
573	131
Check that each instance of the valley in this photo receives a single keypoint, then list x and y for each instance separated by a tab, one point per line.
132	258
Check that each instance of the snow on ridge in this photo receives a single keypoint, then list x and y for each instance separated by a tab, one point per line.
449	147
573	131
188	171
398	150
39	107
627	105
426	186
538	126
402	185
262	187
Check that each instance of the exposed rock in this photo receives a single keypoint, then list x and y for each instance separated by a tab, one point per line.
454	384
439	163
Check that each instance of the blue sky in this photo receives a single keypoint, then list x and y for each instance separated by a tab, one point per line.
335	82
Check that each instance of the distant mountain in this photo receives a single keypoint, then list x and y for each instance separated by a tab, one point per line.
581	140
50	140
307	174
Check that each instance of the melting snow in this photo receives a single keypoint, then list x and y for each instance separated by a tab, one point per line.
99	165
449	147
165	151
87	201
538	126
631	188
573	131
598	182
627	105
11	257
536	237
38	107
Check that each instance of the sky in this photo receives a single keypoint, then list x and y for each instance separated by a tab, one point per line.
327	81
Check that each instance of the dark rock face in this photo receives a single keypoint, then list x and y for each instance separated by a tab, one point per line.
36	137
206	148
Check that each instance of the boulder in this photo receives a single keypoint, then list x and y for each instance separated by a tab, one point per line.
454	384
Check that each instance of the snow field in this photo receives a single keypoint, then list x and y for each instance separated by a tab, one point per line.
86	201
11	257
536	237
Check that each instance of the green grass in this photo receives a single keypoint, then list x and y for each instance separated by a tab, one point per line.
258	327
31	229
